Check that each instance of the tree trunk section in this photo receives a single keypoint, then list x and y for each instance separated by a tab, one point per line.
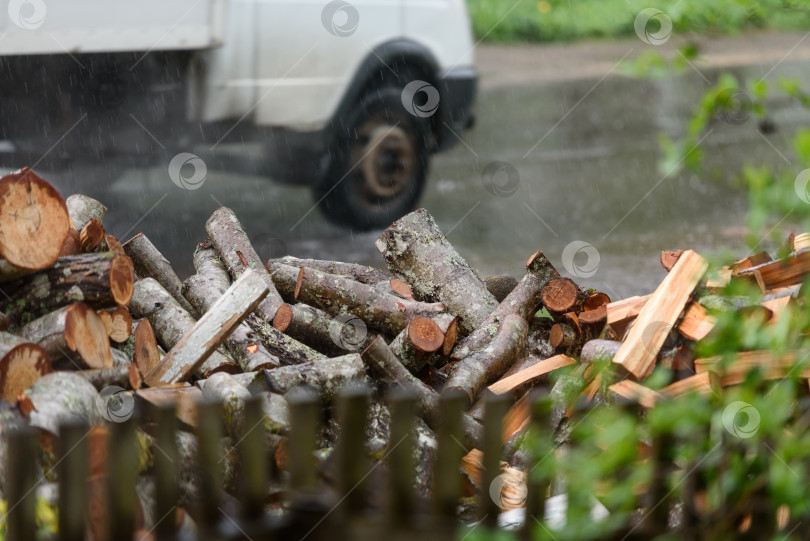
415	358
474	372
91	236
126	377
100	280
21	364
361	273
418	253
34	221
523	300
318	330
288	350
118	322
327	377
73	332
61	397
171	322
233	244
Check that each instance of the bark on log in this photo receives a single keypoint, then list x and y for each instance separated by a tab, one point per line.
82	209
73	332
203	290
596	350
149	262
61	397
361	273
126	377
418	252
34	220
288	350
198	343
319	330
285	278
523	301
118	322
327	377
385	367
227	390
338	295
474	372
91	236
500	285
415	358
171	322
21	364
233	244
563	336
101	280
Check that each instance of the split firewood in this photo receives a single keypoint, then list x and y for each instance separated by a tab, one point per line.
704	384
472	373
426	341
21	364
149	262
205	336
204	289
59	398
781	273
171	323
34	221
385	367
477	411
749	262
778	305
126	377
599	350
118	322
327	377
696	322
91	236
101	280
800	242
320	331
530	375
630	390
523	301
232	395
233	244
621	313
82	209
361	273
668	259
771	365
337	295
561	295
73	332
644	340
500	285
418	252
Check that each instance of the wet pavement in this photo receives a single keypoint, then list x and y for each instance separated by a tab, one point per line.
583	159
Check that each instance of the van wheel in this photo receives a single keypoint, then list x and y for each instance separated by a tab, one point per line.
379	167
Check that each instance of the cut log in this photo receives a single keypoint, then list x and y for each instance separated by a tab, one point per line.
668	259
338	295
599	350
112	244
73	332
641	346
596	300
69	247
126	377
401	288
327	376
82	209
21	364
146	353
704	384
91	236
472	373
636	392
800	242
530	375
118	322
778	305
100	280
418	252
170	323
204	289
149	262
184	397
781	273
199	342
318	330
59	398
361	273
523	301
771	365
233	244
477	411
563	336
34	221
441	330
561	295
591	322
500	285
749	262
288	350
696	322
384	366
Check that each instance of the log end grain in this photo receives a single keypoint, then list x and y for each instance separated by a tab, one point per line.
450	336
34	221
560	295
425	335
401	288
20	368
284	316
86	334
122	279
91	236
595	300
298	283
146	355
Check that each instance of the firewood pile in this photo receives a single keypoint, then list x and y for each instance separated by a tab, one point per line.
93	328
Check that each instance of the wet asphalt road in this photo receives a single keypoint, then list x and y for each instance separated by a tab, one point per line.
582	153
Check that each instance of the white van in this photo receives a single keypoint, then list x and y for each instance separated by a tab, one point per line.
356	94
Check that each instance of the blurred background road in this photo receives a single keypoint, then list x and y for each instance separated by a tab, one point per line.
577	134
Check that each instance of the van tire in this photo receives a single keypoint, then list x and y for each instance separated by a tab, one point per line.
378	164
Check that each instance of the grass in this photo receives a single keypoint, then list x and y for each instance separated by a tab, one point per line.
565	20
